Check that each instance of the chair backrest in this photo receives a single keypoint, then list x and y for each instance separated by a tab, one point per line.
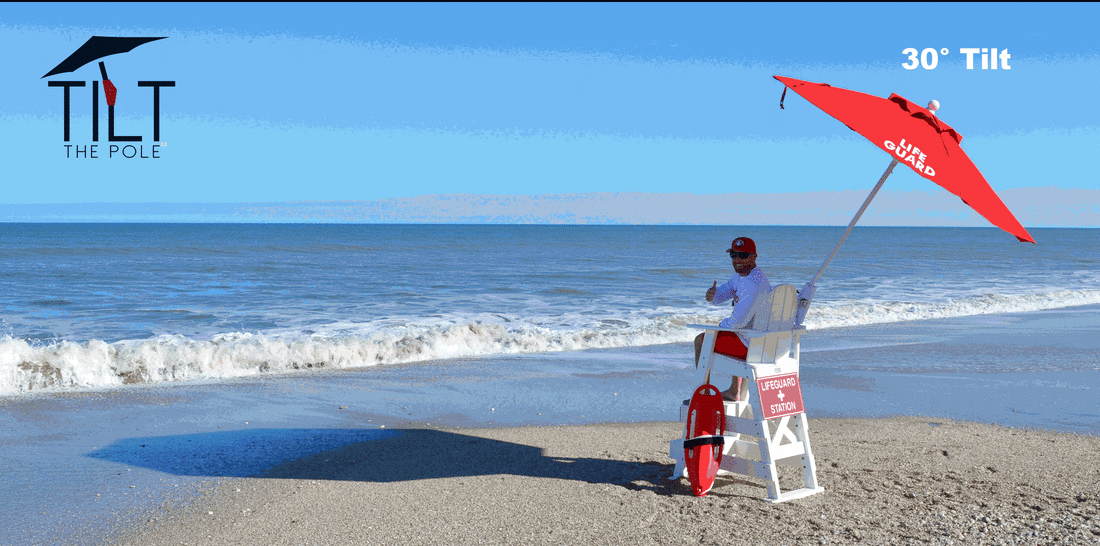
779	310
776	315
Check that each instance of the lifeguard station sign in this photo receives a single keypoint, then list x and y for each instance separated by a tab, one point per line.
780	395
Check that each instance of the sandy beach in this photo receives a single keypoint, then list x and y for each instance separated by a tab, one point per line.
896	480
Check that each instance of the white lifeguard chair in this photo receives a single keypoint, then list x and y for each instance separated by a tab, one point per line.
769	409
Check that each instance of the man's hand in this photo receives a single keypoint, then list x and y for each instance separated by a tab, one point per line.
710	293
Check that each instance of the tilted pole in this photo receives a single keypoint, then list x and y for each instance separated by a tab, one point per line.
806	295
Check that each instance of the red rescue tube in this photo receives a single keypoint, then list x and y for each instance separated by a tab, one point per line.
703	439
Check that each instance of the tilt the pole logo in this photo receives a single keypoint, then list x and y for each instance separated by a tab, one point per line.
98	47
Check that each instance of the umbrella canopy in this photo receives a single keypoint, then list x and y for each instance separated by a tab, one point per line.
915	137
911	135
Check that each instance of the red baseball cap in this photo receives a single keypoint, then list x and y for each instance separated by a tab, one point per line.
742	244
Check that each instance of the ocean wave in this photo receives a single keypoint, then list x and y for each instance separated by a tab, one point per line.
850	313
92	365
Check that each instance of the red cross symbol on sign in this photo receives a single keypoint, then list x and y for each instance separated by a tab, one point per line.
774	402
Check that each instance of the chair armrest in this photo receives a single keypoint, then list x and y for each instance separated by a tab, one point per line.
761	333
715	328
748	332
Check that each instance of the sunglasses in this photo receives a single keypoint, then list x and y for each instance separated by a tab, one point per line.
742	255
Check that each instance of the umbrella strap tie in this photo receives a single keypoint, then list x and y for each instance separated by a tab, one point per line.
783	98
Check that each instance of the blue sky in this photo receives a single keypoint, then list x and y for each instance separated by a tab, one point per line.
288	102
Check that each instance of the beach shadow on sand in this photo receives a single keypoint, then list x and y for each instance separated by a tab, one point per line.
371	455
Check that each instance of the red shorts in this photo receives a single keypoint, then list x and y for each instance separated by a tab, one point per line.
730	345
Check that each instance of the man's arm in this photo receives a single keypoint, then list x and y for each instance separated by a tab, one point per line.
747	300
722	293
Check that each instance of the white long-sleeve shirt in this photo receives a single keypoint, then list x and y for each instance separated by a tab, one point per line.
747	293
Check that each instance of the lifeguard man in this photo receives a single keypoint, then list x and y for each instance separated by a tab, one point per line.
747	290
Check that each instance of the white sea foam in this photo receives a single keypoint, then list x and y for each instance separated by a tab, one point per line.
94	364
838	314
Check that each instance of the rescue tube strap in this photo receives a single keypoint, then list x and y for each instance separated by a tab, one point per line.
704	440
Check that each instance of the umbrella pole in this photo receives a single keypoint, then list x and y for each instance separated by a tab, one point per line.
807	294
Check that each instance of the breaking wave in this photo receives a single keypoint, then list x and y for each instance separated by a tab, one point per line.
27	367
851	313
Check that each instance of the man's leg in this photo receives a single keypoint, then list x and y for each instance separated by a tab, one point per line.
698	348
734	392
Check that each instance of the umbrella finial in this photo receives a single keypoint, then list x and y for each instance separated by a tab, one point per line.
933	105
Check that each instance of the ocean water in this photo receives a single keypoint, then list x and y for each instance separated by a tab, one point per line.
94	306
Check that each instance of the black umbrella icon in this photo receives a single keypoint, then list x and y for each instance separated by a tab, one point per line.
96	48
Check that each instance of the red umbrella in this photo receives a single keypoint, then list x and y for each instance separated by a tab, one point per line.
911	135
